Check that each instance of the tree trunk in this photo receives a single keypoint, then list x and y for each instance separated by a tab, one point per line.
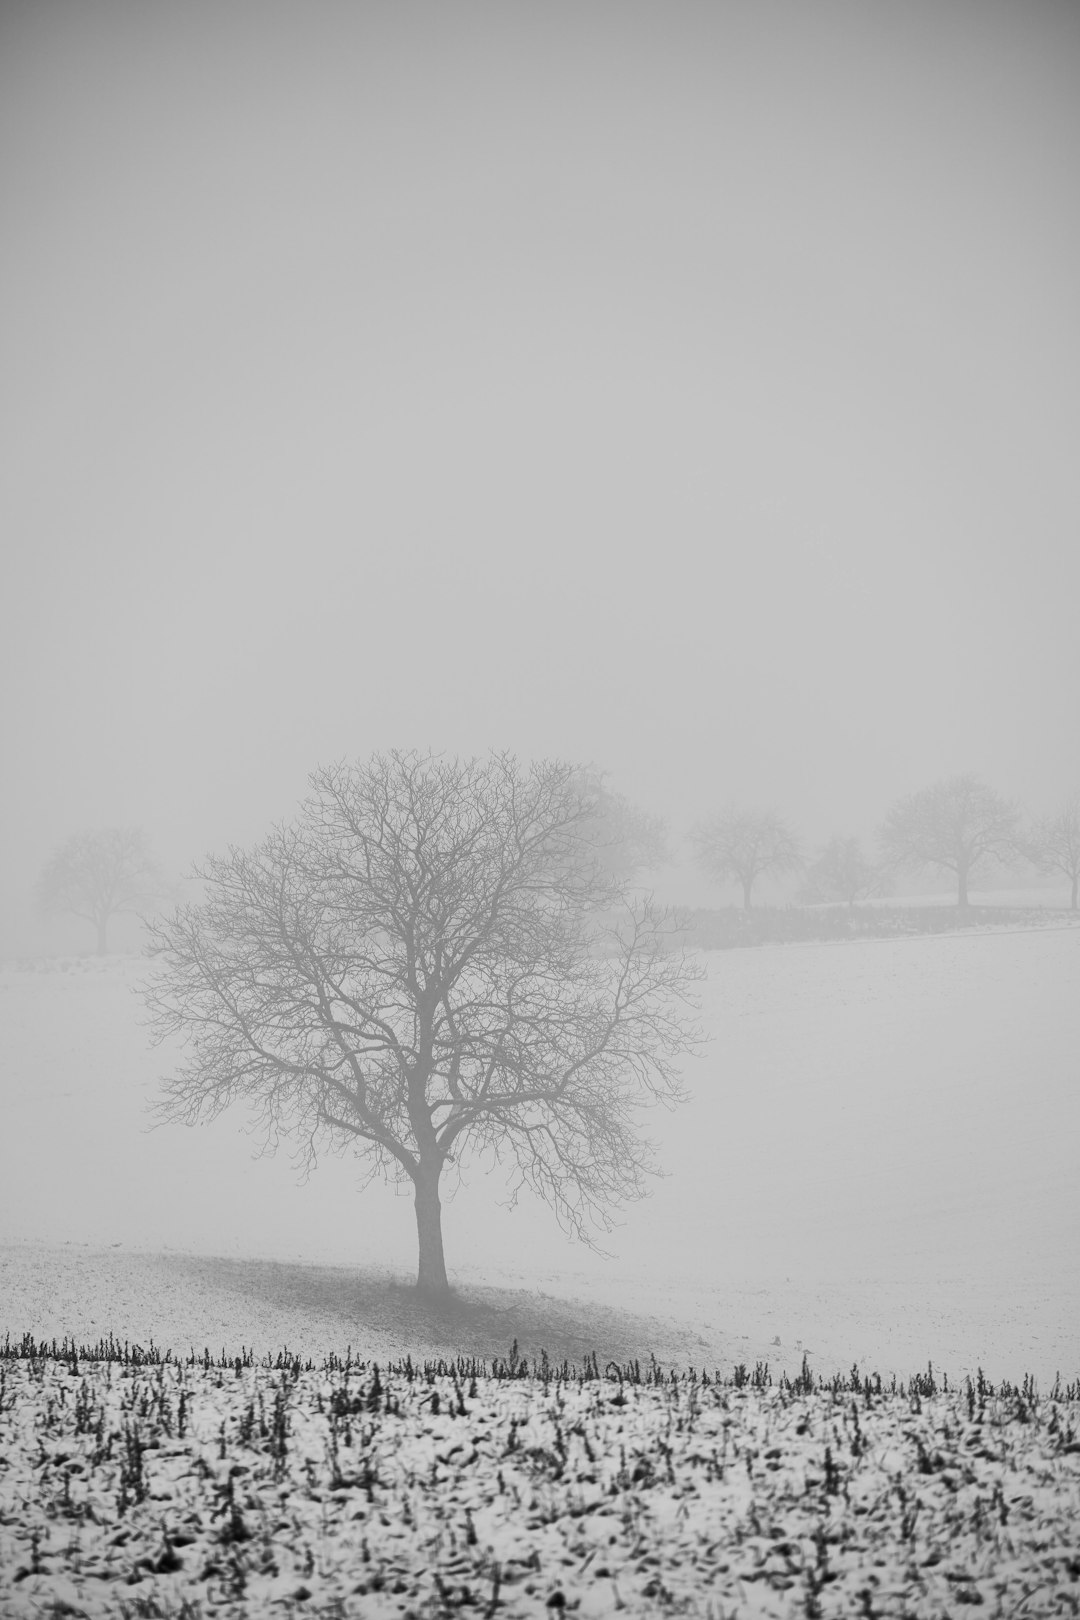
962	892
102	936
431	1272
748	884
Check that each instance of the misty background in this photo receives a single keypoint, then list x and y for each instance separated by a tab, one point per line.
692	389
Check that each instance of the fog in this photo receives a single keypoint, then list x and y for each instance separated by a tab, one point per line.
689	389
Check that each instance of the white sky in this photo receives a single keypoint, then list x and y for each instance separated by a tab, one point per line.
691	388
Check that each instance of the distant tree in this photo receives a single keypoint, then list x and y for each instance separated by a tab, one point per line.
1053	844
743	845
841	872
960	825
622	837
432	960
98	876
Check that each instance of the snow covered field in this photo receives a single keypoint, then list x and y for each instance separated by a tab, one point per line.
878	1165
349	1492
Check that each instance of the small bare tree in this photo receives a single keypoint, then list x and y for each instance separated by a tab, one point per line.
743	845
960	824
428	962
98	876
841	872
1053	845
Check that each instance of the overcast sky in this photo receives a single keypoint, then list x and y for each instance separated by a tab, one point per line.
694	389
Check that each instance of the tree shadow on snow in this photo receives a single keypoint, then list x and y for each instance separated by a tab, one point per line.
382	1316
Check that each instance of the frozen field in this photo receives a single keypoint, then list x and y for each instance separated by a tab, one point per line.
354	1492
878	1165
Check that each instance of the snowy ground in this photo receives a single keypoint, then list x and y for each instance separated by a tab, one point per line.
410	1493
878	1165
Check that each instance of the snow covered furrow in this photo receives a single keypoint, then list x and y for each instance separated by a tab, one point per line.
354	1490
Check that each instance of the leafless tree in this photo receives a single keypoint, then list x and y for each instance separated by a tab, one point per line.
841	872
98	876
743	845
430	962
959	824
621	837
1053	845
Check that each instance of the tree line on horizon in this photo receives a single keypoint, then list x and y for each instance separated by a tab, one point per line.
959	825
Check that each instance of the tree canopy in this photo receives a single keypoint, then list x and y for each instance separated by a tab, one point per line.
959	824
622	837
1053	845
98	876
432	961
841	872
743	845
